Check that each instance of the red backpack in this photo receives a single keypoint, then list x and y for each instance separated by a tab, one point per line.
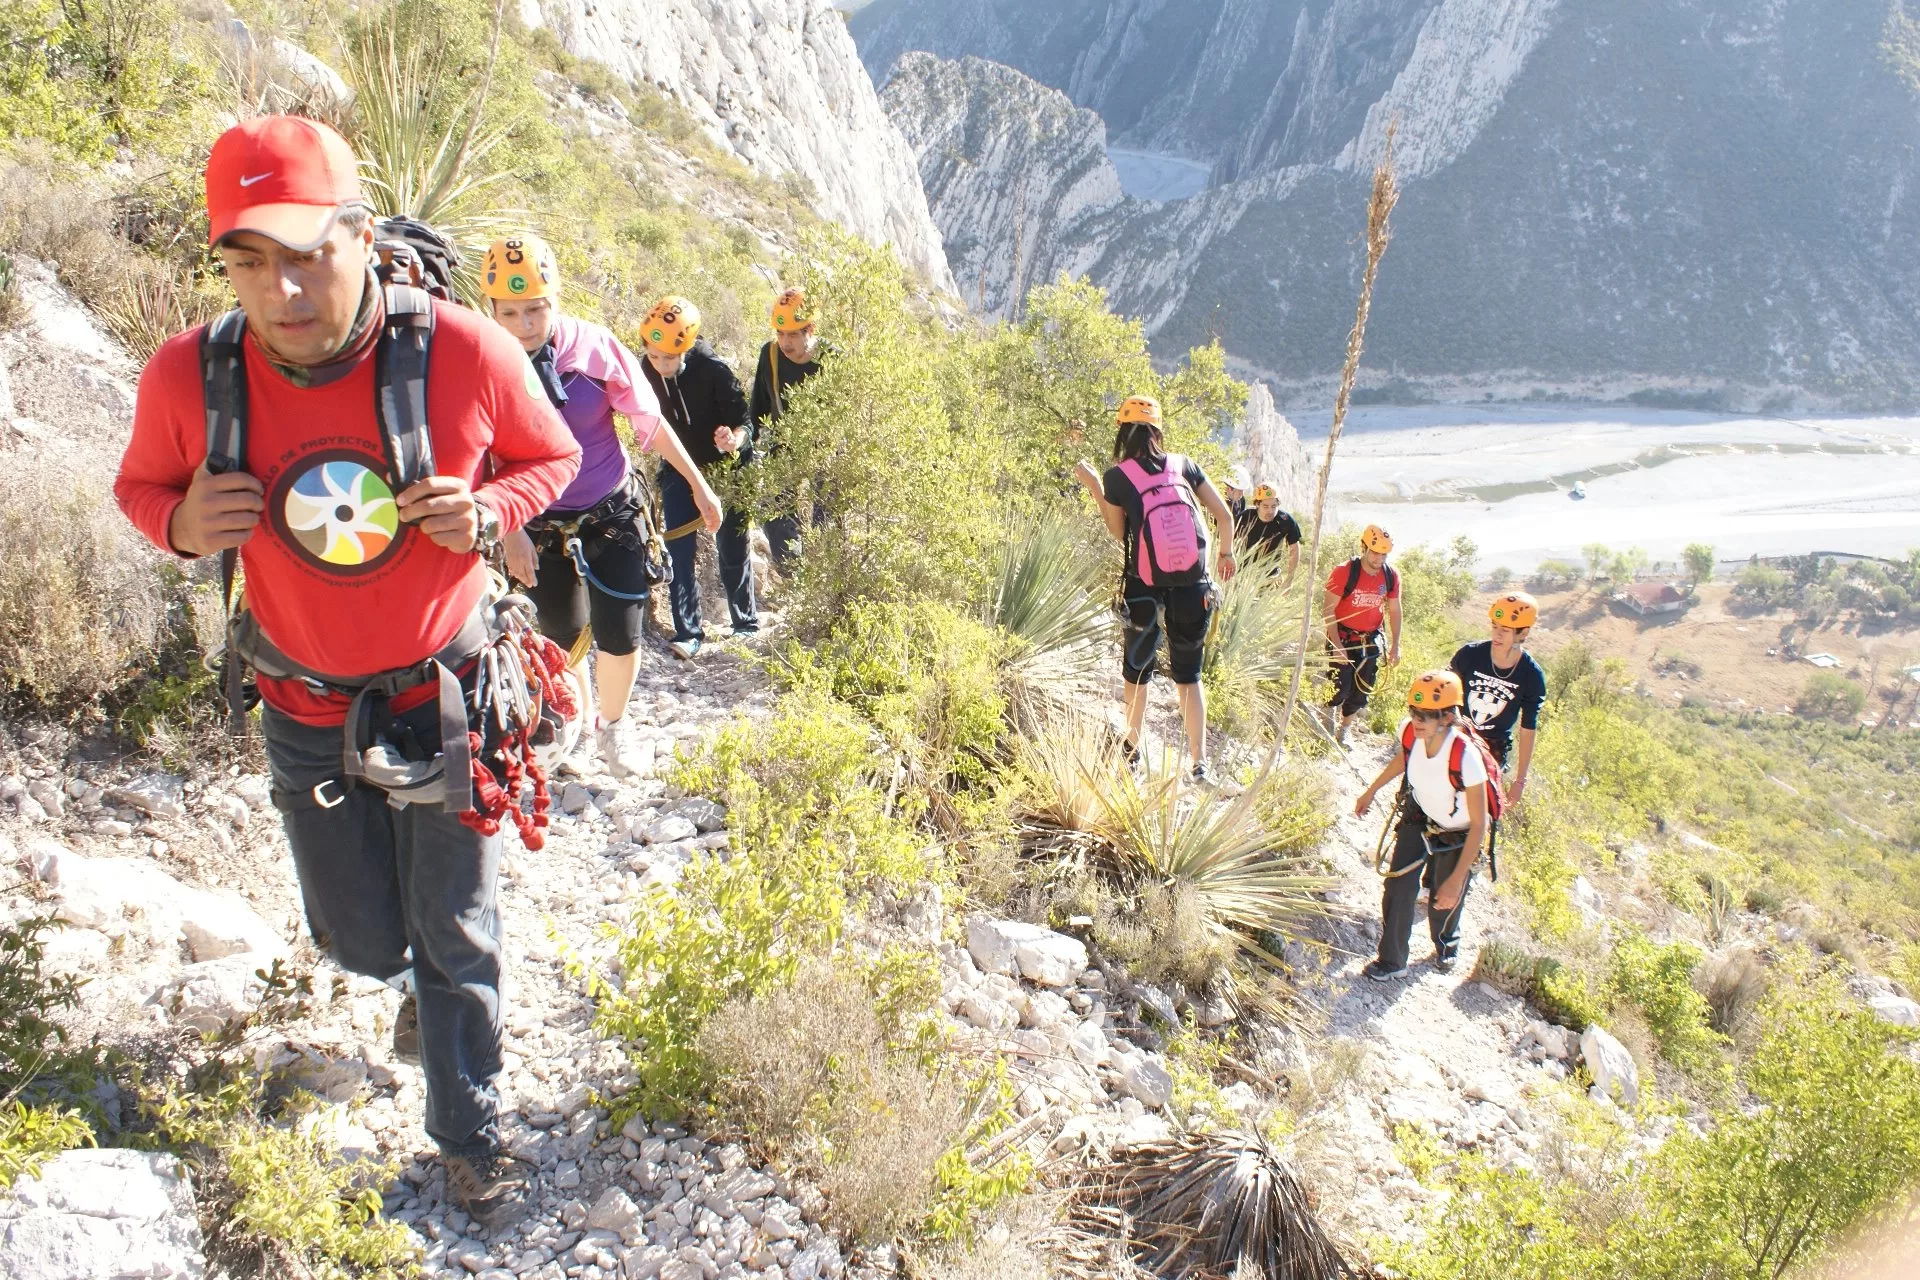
1168	553
1468	735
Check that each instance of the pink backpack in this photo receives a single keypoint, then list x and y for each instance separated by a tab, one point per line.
1169	551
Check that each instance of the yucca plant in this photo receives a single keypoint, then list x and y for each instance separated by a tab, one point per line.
422	138
1211	1205
154	302
1047	596
1252	646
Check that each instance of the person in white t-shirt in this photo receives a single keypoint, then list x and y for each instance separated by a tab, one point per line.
1443	825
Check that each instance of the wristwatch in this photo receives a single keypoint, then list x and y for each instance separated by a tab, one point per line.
487	540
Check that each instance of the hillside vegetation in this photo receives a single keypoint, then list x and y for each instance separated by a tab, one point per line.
931	751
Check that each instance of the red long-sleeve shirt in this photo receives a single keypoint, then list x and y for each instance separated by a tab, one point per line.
333	577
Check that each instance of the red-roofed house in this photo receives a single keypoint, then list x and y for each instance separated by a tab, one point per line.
1646	598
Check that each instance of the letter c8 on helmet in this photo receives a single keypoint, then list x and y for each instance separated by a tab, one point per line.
672	327
790	312
1435	691
1139	409
1375	539
519	267
1516	609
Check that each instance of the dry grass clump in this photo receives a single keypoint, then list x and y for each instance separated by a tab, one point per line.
81	594
807	1070
1734	985
62	223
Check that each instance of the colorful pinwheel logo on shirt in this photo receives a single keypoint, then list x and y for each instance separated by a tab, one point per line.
342	513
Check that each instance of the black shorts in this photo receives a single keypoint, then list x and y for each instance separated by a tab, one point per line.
1183	614
566	602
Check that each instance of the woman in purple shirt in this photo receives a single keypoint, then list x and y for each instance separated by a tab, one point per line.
589	376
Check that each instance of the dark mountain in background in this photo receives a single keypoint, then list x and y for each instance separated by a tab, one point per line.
1688	201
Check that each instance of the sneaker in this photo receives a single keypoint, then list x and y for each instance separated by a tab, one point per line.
685	649
1378	972
746	633
495	1191
1340	734
1130	754
1443	964
406	1030
620	750
1202	776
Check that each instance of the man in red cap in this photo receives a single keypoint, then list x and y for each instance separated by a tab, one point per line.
351	568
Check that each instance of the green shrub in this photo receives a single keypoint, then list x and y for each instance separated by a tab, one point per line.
1828	695
40	1072
1657	980
815	835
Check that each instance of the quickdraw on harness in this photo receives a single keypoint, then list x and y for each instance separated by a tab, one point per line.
493	764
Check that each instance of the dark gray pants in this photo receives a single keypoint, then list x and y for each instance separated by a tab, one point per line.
1400	898
390	889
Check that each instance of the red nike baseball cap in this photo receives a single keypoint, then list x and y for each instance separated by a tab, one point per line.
284	177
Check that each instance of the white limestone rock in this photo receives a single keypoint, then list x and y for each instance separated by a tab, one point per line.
90	1215
1615	1074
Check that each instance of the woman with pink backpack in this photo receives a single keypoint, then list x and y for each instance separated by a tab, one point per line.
1151	502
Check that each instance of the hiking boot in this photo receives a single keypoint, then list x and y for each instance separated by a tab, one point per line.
685	649
619	749
1202	776
406	1030
1378	972
495	1191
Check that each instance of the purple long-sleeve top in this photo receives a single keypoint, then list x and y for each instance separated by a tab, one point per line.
601	377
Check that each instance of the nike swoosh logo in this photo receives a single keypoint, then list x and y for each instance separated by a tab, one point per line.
247	182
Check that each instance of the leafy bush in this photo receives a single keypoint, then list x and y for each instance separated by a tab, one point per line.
1657	980
1830	1140
275	1188
38	1069
816	835
1828	695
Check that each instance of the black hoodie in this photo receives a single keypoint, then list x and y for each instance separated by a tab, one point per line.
703	395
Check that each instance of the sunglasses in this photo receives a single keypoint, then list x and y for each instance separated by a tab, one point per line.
1429	716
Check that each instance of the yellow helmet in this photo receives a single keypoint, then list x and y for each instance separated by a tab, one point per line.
520	266
1265	493
1516	609
1138	409
671	327
1375	539
1435	691
790	311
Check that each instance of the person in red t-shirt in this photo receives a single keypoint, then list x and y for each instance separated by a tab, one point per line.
1363	598
345	576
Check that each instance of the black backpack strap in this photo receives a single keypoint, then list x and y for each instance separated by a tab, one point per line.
1353	579
400	385
223	383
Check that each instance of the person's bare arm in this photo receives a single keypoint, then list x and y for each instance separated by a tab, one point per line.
1293	563
1329	609
1090	481
1393	631
667	444
1222	529
1523	760
1395	767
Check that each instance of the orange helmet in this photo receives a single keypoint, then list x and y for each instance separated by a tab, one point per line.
1516	609
1435	691
1375	539
1138	409
1265	493
671	327
519	266
790	311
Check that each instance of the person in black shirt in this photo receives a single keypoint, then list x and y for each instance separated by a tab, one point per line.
1264	530
701	400
789	360
1181	603
1505	687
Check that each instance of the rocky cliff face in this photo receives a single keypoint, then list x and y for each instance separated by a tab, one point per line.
780	83
1698	197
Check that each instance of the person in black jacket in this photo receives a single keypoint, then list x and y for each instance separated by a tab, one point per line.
701	400
789	360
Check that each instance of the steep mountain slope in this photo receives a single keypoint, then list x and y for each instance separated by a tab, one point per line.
1671	196
780	83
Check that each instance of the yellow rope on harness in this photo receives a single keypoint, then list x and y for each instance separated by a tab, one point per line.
681	531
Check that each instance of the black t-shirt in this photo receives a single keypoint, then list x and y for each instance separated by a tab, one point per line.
1266	537
764	406
1499	699
1120	492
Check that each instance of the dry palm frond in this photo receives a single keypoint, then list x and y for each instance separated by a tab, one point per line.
1047	597
427	153
1070	762
1210	1205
